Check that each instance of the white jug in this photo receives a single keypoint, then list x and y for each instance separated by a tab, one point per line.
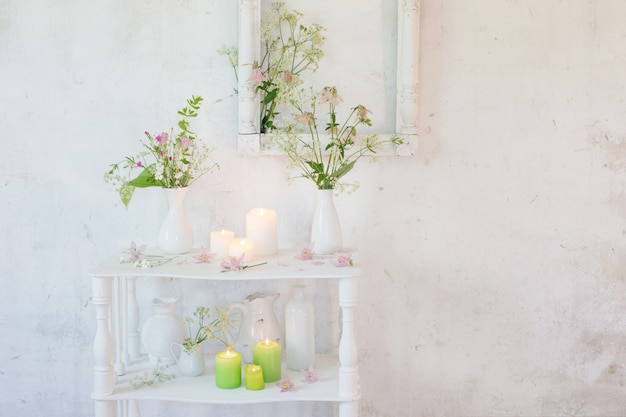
258	322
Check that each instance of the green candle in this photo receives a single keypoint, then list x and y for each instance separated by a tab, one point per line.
254	377
267	355
228	369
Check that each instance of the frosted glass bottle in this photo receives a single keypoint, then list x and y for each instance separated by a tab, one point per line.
299	331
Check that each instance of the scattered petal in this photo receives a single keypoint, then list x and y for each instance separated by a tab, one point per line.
285	385
343	260
310	376
306	253
204	257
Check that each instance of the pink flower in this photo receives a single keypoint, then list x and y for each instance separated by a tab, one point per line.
362	112
257	76
285	385
204	257
343	260
185	142
139	164
287	77
329	95
310	376
306	253
233	263
162	138
306	119
136	252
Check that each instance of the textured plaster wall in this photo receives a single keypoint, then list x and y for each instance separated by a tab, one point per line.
493	259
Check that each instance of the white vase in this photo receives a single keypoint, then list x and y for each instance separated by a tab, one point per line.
326	229
299	331
189	363
176	234
161	330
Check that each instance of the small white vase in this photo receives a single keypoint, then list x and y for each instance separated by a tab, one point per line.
326	229
161	330
176	234
189	364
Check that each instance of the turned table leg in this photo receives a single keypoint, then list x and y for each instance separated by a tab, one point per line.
348	355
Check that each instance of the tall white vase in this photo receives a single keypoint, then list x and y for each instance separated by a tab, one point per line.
299	331
176	234
326	229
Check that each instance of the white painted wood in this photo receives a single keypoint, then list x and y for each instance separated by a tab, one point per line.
339	379
252	143
249	52
134	342
348	359
104	377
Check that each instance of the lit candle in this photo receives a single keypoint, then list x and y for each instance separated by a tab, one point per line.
241	245
228	369
220	242
254	377
262	230
266	354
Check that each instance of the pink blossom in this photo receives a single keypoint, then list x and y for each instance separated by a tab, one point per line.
285	385
257	76
329	95
306	119
287	77
310	376
162	138
139	164
306	253
362	112
185	142
232	263
204	257
343	260
136	252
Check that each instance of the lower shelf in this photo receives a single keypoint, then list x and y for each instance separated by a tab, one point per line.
202	389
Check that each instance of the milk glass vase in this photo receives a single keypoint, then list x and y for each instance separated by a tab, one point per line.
325	229
161	330
176	234
299	331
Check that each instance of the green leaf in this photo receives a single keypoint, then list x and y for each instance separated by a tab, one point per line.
343	170
126	193
316	166
271	95
144	179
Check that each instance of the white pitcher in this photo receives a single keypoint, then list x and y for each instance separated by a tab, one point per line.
258	322
189	363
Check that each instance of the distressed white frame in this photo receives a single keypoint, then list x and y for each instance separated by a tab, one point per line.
251	141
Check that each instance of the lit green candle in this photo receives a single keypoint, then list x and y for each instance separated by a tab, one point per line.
254	377
267	355
228	369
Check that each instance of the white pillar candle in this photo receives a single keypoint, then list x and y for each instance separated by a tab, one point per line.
261	229
241	245
220	242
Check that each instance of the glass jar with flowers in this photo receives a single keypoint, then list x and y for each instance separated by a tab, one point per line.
326	156
172	161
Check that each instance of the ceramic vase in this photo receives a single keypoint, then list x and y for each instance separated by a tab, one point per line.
299	331
176	234
190	361
325	229
161	330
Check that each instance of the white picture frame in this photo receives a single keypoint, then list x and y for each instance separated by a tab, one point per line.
251	142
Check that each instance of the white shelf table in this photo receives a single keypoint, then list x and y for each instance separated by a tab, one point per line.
117	341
